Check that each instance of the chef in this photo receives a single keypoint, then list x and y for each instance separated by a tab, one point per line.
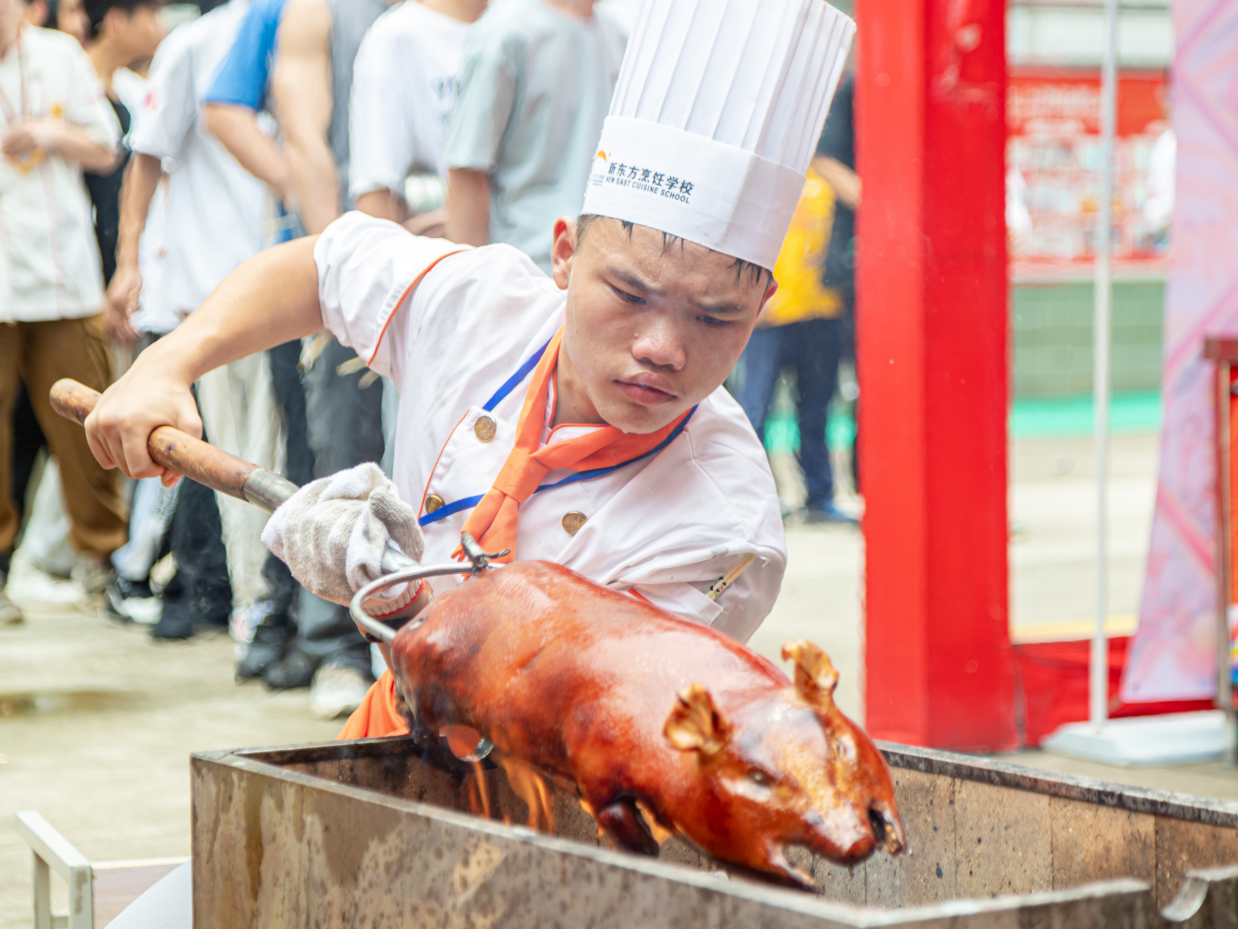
578	418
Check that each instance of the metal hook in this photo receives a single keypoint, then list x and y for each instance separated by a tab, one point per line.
479	558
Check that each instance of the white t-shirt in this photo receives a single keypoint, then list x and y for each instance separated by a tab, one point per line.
403	87
215	208
49	257
460	339
132	90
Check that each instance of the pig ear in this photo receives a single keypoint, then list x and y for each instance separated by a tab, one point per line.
815	677
695	723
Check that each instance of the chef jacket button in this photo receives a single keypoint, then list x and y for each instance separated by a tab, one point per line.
573	521
484	428
433	502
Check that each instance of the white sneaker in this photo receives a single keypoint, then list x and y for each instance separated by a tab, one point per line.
10	612
336	691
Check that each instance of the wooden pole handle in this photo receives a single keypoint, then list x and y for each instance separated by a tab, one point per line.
173	449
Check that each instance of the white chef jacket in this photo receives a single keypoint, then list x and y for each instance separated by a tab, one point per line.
49	256
214	212
403	86
460	338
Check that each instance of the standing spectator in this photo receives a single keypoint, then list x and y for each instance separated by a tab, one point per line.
404	87
835	162
55	123
234	113
311	67
69	16
213	222
237	98
534	90
37	13
805	326
122	32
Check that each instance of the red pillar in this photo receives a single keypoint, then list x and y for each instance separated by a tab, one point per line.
934	371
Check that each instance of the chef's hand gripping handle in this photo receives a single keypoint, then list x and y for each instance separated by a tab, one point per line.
216	469
173	449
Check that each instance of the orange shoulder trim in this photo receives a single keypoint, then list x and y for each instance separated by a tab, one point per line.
404	296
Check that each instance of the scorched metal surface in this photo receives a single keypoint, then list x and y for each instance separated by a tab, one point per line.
370	833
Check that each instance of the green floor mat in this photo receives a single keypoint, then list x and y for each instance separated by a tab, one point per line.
1031	418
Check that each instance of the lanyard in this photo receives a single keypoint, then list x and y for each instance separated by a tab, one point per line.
9	115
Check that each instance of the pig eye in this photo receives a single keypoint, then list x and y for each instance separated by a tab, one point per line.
759	777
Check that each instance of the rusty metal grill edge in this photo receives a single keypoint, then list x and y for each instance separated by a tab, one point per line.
365	833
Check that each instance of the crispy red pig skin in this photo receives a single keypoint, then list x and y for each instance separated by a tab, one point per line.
598	689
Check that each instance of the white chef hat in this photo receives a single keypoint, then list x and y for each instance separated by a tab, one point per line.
715	119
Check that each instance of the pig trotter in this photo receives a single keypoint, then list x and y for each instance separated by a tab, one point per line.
626	829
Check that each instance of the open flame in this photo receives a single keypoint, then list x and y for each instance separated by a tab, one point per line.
526	784
530	787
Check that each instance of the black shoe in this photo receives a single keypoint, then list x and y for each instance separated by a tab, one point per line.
176	622
296	669
270	642
183	616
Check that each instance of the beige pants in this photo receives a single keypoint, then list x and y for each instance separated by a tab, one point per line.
239	415
40	354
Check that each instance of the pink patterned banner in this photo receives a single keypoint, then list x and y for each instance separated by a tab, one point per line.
1173	655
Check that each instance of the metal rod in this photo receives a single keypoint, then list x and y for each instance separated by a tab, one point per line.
1225	690
376	627
1103	307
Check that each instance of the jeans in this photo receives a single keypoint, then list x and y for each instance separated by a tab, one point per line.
812	349
345	429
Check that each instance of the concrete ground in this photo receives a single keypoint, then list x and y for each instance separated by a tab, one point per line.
97	722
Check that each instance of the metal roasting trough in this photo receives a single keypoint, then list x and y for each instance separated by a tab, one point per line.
376	833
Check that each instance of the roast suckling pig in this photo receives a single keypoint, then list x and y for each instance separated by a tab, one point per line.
624	703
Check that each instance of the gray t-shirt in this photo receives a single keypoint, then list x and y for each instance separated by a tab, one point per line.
350	20
534	89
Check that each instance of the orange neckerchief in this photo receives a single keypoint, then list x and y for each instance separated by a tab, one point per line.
377	715
494	521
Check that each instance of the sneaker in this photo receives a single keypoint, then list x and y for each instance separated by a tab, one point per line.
267	647
10	612
828	513
337	691
93	576
117	595
296	669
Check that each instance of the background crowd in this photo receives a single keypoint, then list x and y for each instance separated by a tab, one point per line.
149	150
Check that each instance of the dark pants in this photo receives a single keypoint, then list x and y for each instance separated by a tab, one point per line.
345	429
28	441
299	464
200	586
812	349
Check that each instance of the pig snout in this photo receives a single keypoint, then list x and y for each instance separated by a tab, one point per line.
851	833
867	817
886	827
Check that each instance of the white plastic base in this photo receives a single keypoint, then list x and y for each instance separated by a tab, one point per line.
1144	741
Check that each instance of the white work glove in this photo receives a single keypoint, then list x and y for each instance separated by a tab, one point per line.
332	534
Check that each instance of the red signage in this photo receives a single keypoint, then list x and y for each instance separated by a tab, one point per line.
1053	156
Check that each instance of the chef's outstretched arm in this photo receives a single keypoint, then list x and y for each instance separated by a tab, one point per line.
268	300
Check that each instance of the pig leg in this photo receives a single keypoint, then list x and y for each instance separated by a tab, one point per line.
626	828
